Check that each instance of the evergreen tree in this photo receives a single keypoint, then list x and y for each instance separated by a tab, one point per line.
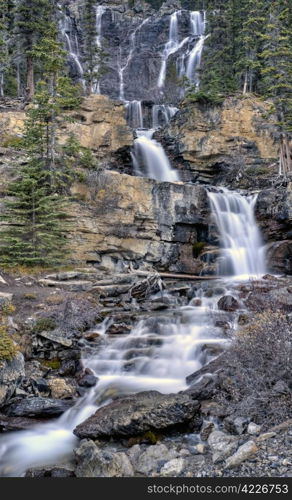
277	73
32	18
34	213
218	73
4	43
249	41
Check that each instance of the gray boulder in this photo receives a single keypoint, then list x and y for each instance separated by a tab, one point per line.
137	414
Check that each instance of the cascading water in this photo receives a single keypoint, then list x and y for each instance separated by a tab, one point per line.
198	23
150	158
243	253
123	67
158	354
72	45
161	114
134	114
171	46
100	9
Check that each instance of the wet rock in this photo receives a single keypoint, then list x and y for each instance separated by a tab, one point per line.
134	415
118	329
87	379
10	374
247	450
95	462
8	424
38	407
48	471
222	445
228	303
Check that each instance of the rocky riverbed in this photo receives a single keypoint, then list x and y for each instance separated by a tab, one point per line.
59	318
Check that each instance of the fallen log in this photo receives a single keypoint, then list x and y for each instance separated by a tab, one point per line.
177	276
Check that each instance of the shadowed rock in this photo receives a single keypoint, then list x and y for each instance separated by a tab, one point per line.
134	415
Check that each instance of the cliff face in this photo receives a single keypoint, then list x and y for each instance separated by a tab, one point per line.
121	219
99	124
232	144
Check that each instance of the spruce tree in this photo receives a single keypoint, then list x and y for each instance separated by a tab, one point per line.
34	212
31	22
277	73
4	43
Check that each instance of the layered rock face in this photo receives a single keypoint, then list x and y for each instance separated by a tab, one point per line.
99	124
232	144
121	219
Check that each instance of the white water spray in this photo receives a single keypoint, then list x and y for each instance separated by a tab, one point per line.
243	253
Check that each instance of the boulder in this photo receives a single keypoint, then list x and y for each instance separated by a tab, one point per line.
137	414
228	303
95	462
38	407
10	374
247	450
222	445
152	458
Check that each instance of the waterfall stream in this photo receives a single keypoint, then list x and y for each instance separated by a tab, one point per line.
160	351
243	253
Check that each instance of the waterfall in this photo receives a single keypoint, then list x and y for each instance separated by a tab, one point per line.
122	68
151	159
243	252
134	114
198	22
158	354
171	46
100	9
161	114
72	45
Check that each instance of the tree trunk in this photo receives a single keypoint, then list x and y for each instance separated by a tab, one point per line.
29	78
245	83
1	84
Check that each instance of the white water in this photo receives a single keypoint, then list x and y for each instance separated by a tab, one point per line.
135	114
100	9
72	46
161	114
122	67
158	354
150	158
170	47
198	23
243	252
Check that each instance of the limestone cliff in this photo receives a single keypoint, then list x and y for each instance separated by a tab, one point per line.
233	143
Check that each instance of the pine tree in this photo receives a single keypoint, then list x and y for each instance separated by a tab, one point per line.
31	22
277	73
35	233
4	43
218	73
34	213
249	39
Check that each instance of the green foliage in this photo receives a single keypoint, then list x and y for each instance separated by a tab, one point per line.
44	324
202	97
198	247
8	349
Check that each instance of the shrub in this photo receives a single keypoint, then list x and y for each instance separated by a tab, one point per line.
44	324
257	378
8	349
